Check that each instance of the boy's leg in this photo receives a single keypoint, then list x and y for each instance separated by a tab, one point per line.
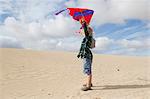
89	80
88	73
88	85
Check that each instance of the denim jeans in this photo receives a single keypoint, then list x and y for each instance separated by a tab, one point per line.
87	64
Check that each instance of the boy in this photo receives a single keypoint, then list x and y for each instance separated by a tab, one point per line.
86	54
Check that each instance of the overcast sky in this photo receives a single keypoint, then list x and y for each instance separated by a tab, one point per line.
120	26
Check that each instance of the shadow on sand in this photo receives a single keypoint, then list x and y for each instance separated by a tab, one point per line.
109	87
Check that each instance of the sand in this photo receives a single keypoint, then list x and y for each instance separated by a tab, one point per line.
28	74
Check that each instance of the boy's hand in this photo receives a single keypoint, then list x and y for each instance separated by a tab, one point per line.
78	55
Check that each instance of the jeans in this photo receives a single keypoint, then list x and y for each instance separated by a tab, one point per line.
87	64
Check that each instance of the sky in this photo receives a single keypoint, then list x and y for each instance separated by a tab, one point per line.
121	27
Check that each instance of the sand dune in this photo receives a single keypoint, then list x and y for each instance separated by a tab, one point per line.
27	74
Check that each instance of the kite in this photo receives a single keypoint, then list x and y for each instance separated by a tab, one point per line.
79	13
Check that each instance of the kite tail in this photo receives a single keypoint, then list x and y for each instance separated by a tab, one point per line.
60	11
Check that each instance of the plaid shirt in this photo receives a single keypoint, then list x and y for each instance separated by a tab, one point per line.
85	46
85	49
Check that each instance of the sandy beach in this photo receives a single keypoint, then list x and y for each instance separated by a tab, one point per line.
28	74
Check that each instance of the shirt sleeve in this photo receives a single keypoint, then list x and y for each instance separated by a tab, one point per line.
83	46
85	28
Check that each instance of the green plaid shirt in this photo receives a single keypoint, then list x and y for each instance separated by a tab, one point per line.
85	48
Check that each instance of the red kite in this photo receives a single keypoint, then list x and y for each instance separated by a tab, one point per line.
79	13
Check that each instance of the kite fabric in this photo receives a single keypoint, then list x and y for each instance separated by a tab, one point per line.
79	13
